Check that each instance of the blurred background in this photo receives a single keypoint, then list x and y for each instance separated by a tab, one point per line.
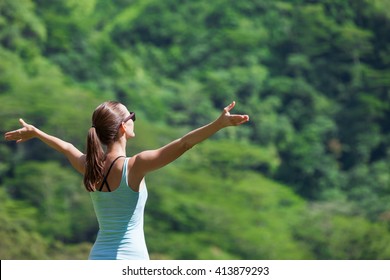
307	178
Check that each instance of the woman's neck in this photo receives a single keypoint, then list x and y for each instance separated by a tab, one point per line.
116	149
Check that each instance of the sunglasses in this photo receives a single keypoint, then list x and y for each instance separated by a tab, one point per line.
130	117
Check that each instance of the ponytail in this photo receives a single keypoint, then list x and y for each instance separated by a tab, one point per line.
105	122
94	161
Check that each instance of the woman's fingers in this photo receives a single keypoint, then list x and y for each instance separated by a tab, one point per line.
22	122
239	119
229	107
11	135
18	134
233	119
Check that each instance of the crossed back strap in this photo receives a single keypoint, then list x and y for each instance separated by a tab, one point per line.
105	177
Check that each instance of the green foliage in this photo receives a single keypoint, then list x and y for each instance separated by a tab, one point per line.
21	28
223	156
19	237
312	75
55	193
340	237
204	209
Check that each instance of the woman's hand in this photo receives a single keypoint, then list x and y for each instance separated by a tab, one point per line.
227	119
23	134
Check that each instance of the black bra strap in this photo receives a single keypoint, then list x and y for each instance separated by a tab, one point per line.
105	177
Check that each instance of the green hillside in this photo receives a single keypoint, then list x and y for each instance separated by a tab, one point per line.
307	178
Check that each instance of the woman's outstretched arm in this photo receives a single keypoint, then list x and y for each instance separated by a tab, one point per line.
147	161
27	132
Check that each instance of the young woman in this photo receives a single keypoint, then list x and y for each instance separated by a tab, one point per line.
116	182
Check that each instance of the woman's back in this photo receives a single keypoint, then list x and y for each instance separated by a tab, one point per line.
120	214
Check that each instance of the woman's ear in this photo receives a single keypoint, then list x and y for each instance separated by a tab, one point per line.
122	128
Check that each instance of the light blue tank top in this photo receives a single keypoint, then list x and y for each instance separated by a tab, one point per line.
120	215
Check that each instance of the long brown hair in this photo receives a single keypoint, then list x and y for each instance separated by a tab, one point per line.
106	120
